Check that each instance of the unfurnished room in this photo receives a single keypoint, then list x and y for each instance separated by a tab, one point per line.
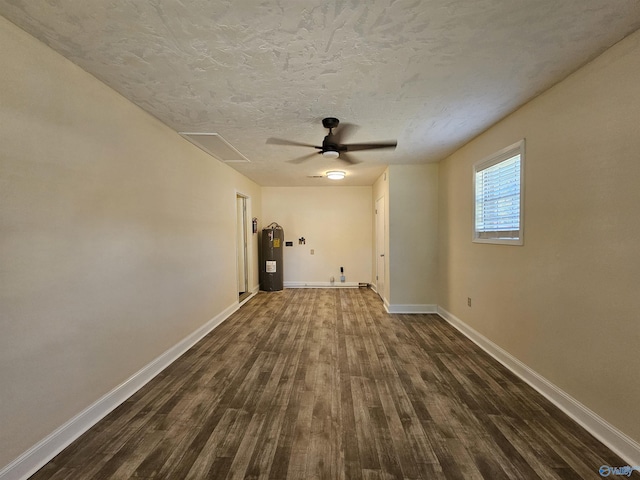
319	240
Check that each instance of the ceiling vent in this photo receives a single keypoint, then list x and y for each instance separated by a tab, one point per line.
216	146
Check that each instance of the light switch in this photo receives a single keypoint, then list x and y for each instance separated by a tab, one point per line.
313	251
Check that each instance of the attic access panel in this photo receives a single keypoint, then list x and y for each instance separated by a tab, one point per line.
216	146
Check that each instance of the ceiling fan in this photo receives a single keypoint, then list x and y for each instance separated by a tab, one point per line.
332	146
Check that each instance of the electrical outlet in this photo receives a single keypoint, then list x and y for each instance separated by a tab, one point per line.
313	251
469	301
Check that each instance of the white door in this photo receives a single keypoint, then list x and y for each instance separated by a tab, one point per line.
380	247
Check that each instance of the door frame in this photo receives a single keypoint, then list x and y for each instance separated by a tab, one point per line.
243	252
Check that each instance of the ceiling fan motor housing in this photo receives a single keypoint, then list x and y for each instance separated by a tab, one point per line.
329	147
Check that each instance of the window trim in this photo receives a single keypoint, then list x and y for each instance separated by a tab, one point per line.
487	162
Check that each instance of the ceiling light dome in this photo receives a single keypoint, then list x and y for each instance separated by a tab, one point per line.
335	175
330	154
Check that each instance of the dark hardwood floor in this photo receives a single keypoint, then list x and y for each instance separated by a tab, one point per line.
324	384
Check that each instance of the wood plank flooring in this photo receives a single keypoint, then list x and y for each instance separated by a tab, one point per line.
324	384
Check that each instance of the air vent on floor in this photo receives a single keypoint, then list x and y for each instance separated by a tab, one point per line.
216	146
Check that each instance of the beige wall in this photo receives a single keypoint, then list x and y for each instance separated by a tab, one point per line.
112	233
413	234
410	193
566	303
336	223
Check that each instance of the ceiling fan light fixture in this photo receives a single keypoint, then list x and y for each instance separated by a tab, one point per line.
335	175
330	154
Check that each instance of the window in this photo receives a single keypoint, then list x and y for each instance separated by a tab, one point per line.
498	197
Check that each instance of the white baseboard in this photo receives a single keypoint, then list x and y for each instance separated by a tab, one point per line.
321	285
38	455
410	308
617	441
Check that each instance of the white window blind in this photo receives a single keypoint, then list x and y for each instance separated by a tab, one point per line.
498	216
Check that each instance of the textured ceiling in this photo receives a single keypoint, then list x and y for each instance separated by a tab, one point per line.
432	74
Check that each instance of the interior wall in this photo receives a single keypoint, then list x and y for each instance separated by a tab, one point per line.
413	235
336	223
565	303
115	240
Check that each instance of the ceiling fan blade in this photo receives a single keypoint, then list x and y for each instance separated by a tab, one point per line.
280	141
345	157
344	131
302	159
352	147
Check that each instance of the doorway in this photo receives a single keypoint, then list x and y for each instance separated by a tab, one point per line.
242	242
380	247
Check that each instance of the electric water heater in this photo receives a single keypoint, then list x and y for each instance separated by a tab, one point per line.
272	243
